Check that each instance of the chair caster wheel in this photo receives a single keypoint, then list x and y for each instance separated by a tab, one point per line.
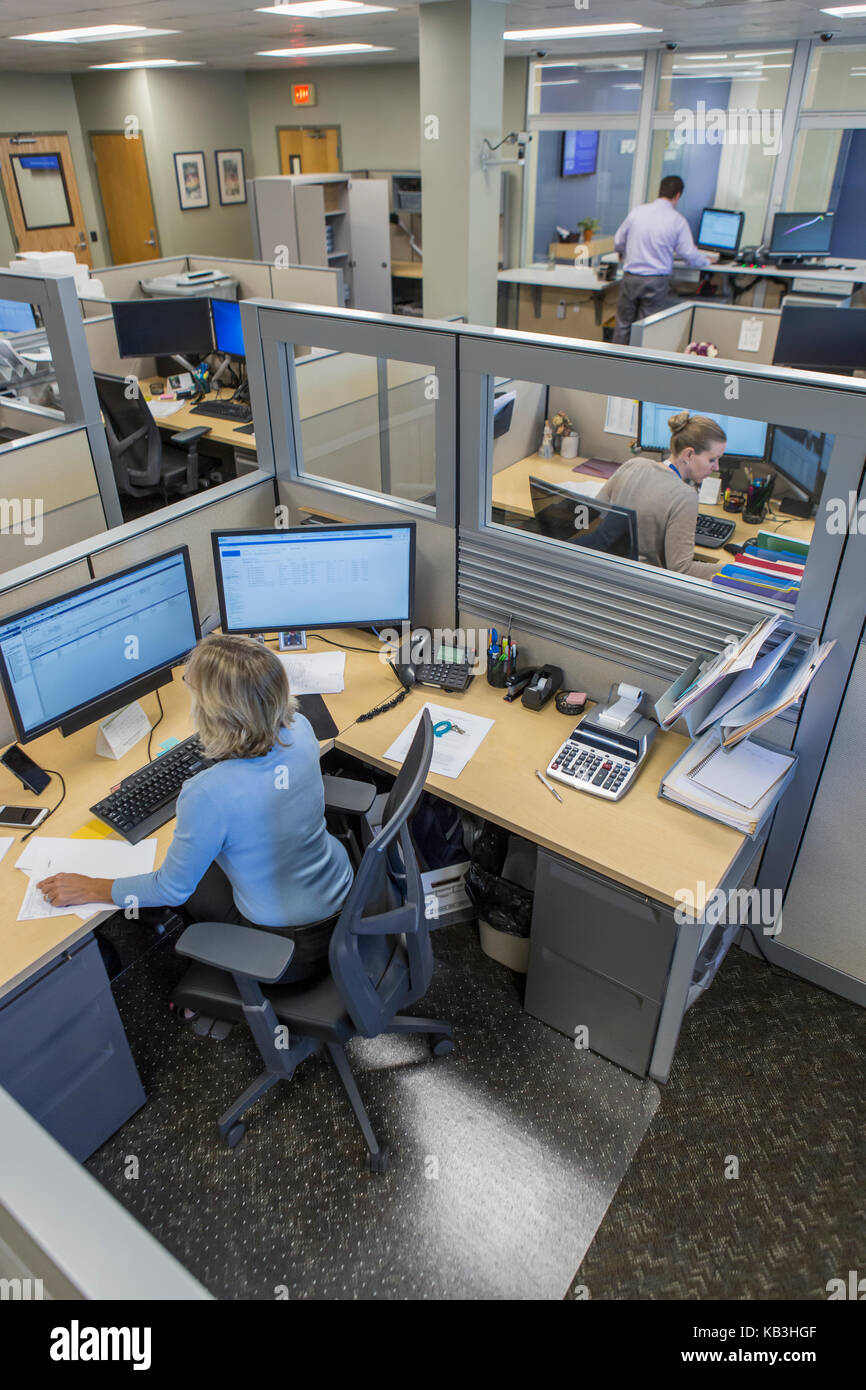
378	1163
442	1046
236	1134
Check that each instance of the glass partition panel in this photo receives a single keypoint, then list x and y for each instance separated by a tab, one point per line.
370	423
581	174
735	175
608	86
829	172
606	475
727	80
837	78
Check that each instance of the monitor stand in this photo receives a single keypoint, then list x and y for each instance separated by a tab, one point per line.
796	506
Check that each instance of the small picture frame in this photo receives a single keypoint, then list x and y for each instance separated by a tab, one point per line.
191	180
230	176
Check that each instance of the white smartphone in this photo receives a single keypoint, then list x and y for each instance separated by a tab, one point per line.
22	817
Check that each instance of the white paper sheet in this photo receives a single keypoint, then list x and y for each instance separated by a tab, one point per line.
451	751
314	673
160	410
47	855
744	775
586	487
5	842
750	335
621	417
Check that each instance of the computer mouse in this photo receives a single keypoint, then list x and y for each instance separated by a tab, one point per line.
731	548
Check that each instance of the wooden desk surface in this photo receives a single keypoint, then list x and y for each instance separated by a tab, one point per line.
511	493
408	270
649	845
222	431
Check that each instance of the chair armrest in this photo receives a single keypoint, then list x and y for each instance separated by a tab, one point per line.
344	794
186	437
260	955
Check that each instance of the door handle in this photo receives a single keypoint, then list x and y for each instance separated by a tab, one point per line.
152	241
82	244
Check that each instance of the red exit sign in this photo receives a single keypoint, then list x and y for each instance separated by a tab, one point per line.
304	94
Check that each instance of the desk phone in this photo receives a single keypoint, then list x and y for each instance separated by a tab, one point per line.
595	759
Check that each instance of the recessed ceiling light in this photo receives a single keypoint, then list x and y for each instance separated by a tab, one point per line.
324	9
765	53
324	49
151	63
97	33
578	31
846	11
706	57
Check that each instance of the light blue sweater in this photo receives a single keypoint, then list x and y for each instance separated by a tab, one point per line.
263	821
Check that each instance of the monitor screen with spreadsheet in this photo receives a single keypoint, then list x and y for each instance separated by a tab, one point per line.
315	576
720	231
77	658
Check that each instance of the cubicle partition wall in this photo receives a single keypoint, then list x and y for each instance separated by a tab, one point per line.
696	321
256	280
366	433
249	501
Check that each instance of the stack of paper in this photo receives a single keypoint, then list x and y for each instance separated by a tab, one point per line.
774	696
738	655
46	856
314	673
451	750
739	788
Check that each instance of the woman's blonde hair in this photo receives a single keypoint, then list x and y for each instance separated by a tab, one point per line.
240	697
698	432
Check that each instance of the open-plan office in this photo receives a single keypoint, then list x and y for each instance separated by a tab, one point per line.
595	776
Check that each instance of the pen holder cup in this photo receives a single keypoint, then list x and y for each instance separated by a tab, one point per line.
496	672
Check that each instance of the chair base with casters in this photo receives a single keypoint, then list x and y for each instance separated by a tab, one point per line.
288	1022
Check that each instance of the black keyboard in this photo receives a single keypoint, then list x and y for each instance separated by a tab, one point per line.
448	675
713	531
146	799
224	410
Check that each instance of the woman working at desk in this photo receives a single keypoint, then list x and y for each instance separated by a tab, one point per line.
664	495
250	845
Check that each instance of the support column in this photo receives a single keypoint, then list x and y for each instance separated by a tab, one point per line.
461	62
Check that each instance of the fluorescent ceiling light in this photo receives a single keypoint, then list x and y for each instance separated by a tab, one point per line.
578	31
764	53
151	63
97	33
324	49
324	9
706	57
846	11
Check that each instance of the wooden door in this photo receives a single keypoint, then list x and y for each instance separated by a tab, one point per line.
124	186
316	147
42	195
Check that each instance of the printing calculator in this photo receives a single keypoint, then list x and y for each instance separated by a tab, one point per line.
595	759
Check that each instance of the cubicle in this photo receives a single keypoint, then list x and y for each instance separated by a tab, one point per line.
739	332
255	280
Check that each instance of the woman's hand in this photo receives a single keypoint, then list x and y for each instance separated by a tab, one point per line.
65	890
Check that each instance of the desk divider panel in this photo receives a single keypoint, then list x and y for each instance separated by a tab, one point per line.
62	505
124	281
670	330
253	277
527	423
721	324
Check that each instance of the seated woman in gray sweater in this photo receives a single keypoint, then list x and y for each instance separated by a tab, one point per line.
664	495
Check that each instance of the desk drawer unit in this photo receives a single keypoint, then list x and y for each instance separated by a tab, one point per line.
64	1055
599	958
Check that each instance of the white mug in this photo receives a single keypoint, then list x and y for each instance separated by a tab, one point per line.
568	446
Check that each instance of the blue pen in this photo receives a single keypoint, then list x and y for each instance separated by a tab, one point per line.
494	642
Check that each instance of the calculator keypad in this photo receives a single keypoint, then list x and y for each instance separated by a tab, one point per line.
579	765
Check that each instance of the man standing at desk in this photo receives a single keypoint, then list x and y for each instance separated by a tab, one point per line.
647	242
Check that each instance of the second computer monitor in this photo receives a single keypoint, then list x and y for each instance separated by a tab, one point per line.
801	234
747	439
720	230
820	339
162	327
315	576
16	316
227	333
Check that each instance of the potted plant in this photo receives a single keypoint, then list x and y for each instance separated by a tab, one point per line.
589	226
564	435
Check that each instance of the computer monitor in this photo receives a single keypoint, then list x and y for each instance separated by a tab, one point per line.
747	439
720	230
227	333
313	577
821	339
566	515
75	659
16	316
579	152
798	235
162	327
801	457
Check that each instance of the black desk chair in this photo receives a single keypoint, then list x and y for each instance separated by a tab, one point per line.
380	961
142	464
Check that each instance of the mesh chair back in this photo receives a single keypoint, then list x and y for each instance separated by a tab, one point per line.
125	417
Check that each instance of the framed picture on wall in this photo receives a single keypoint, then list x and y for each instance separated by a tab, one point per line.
191	180
230	176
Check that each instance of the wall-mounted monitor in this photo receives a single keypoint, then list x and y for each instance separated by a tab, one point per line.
579	152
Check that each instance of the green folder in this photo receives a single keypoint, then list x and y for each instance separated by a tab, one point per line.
777	540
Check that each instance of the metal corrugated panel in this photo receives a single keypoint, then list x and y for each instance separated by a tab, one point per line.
627	621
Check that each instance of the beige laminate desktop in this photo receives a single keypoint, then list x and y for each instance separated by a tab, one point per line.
221	431
511	493
650	846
